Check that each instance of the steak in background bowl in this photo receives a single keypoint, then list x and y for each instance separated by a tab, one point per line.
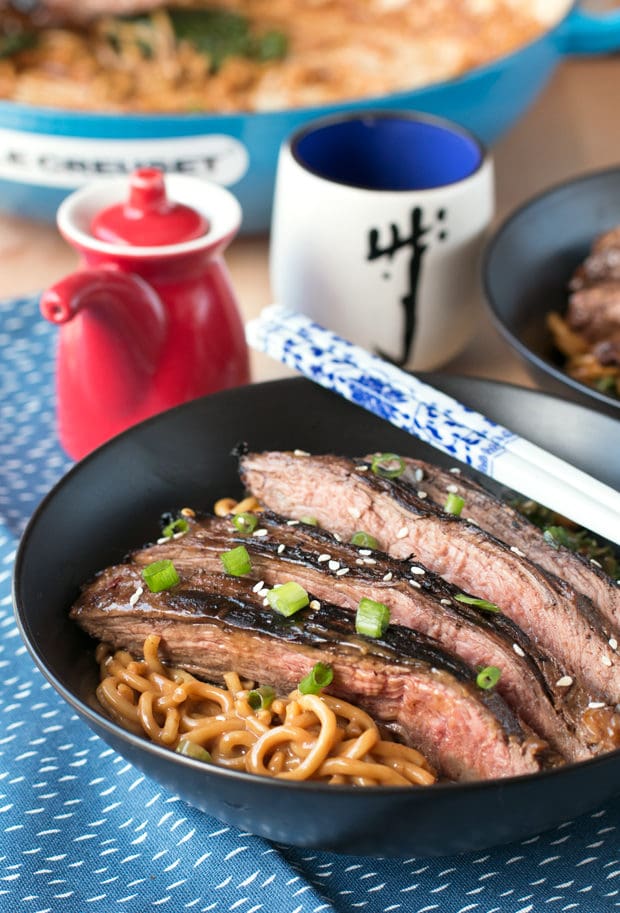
528	267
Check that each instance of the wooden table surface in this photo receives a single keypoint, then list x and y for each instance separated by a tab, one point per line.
573	127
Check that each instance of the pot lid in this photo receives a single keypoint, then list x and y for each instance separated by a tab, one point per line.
148	218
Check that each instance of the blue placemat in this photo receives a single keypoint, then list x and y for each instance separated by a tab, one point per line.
82	831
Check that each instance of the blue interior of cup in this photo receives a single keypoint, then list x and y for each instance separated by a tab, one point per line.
388	152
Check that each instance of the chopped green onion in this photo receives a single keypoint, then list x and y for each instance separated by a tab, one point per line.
320	676
236	561
177	526
160	575
479	603
193	750
488	677
271	46
454	504
288	598
556	536
372	618
16	41
261	698
245	523
309	521
387	465
364	540
606	384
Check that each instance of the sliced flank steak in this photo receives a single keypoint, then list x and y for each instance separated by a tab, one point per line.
345	495
341	573
212	623
506	523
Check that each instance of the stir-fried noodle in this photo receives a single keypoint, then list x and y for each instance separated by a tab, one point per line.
262	55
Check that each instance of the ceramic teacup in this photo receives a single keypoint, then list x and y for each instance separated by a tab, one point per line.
378	225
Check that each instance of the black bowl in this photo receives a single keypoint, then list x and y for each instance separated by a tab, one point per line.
527	266
111	501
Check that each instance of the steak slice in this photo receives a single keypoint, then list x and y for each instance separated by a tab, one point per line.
211	624
511	527
594	311
341	573
345	495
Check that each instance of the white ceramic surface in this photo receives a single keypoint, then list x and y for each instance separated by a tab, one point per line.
371	264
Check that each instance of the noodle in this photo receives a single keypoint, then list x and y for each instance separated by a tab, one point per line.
581	362
301	737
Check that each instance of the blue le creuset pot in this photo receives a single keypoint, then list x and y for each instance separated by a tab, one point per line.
46	153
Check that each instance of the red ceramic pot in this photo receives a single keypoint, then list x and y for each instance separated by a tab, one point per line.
150	319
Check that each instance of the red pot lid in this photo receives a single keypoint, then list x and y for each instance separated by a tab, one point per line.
148	218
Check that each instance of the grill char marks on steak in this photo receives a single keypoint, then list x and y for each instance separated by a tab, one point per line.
343	574
507	524
345	495
211	623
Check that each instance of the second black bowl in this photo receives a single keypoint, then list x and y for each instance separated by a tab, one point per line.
527	267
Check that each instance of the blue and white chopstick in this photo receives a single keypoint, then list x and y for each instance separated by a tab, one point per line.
435	418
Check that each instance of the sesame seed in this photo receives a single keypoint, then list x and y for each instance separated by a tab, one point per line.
402	533
564	682
342	571
359	560
418	474
362	468
258	586
162	540
606	661
388	576
315	604
265	602
595	705
323	558
354	512
292	522
365	551
417	570
260	533
300	453
613	643
422	495
455	471
415	584
337	537
135	596
517	551
446	601
333	565
264	591
595	562
518	650
452	489
281	548
369	561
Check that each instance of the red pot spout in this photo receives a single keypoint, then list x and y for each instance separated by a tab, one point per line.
111	347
